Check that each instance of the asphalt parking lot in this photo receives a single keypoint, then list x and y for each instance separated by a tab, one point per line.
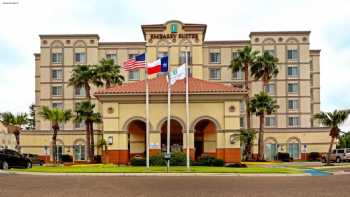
86	186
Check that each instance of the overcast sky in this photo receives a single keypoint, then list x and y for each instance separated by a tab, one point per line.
23	21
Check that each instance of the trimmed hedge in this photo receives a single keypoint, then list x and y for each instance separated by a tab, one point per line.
284	157
66	158
314	156
208	160
138	162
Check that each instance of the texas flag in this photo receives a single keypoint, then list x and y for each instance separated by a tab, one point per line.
160	65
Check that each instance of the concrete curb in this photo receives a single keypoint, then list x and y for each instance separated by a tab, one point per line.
152	174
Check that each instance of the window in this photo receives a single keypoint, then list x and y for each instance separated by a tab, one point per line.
292	87
162	54
340	151
59	152
214	58
57	74
270	121
293	104
214	73
131	56
270	88
79	125
80	58
57	58
272	52
111	57
183	57
294	150
134	75
242	106
57	91
79	91
79	152
57	105
293	71
292	54
241	122
235	55
293	121
237	75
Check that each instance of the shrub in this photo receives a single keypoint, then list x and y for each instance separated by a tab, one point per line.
208	160
283	157
178	159
157	160
236	165
314	156
98	158
138	162
66	158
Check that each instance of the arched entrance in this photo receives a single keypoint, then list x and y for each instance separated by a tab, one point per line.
137	138
294	147
270	149
205	138
176	136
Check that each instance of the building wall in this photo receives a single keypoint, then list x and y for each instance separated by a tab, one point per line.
7	140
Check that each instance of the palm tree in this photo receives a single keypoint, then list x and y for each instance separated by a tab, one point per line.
85	112
84	76
14	123
333	120
247	137
109	72
56	116
262	104
265	68
244	59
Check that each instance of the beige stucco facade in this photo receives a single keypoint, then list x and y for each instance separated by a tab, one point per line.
296	87
7	139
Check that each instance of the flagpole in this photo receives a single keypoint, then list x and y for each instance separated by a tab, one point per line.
168	122
187	117
147	113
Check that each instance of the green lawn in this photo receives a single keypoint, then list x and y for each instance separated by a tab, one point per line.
129	169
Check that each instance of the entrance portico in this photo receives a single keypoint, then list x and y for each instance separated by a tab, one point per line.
214	118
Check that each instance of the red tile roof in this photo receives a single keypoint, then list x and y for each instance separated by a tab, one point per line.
160	86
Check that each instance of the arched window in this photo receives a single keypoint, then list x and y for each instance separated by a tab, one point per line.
294	148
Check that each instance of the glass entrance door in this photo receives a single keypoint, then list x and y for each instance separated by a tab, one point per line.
270	151
294	150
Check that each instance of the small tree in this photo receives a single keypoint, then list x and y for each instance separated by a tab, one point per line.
241	62
85	113
344	140
333	120
247	137
15	124
262	104
31	119
109	72
55	116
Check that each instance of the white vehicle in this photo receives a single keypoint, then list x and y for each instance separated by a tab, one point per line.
338	155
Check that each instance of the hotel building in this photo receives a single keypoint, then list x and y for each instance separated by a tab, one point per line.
216	94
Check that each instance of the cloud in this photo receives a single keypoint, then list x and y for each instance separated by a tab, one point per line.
120	21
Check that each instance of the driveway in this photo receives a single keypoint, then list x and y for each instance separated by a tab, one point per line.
88	186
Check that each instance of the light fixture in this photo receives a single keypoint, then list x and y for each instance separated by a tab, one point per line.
110	140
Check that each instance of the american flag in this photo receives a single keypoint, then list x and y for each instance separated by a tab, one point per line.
134	63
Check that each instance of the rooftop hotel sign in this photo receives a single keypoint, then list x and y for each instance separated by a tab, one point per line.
173	36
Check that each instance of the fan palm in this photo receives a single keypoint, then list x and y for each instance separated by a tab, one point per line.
262	104
84	76
333	120
241	62
109	72
85	113
247	137
55	116
14	123
265	68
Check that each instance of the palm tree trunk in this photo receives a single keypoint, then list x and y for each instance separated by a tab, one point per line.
54	149
108	83
87	91
246	84
249	151
330	151
88	141
92	144
17	137
261	138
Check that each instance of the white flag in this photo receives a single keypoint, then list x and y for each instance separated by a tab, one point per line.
178	74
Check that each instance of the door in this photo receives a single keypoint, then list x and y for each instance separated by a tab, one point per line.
270	151
294	150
